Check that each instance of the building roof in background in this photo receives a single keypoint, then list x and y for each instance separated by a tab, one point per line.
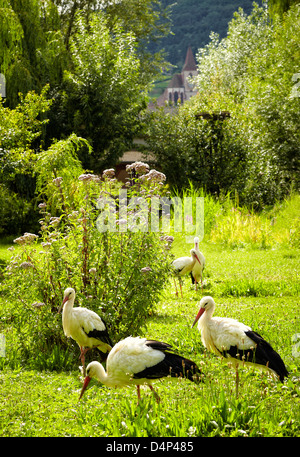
176	81
189	64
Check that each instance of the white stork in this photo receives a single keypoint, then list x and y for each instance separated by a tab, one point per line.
84	326
237	342
138	361
197	270
185	265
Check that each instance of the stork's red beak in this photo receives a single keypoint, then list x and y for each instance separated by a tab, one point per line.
201	311
197	258
61	306
85	384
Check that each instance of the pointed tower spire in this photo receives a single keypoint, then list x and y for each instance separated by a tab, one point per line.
189	64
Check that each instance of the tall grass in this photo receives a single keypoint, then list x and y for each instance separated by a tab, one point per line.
229	224
259	287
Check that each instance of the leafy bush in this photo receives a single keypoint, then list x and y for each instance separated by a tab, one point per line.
118	273
209	153
16	213
251	74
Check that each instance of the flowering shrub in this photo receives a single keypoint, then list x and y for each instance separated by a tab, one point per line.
117	273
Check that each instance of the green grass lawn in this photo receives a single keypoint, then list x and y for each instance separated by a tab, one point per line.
258	287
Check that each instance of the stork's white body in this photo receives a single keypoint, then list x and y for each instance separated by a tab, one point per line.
184	265
198	267
218	334
193	265
127	358
138	361
84	326
236	341
79	322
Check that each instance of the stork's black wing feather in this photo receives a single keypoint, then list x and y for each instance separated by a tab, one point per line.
262	353
247	355
265	355
172	365
160	346
193	279
101	335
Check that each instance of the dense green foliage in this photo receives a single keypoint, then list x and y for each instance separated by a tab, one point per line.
252	74
256	286
20	137
91	69
31	52
98	70
192	23
118	271
281	6
94	58
83	73
102	93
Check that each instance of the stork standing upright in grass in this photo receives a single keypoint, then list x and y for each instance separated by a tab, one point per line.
84	326
138	361
197	270
185	265
237	342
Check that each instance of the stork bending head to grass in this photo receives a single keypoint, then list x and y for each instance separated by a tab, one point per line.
84	326
236	342
137	361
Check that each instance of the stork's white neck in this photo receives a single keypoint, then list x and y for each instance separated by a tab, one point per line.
101	374
67	315
206	317
68	305
204	328
193	260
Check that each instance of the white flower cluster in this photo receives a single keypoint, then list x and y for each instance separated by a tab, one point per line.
73	215
154	175
38	304
167	238
86	177
46	244
139	167
109	173
57	181
54	221
26	238
26	265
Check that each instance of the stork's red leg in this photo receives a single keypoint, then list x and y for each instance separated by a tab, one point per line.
157	397
176	288
237	380
138	393
181	289
82	357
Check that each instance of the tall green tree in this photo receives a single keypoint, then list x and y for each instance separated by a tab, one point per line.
98	82
254	75
148	20
281	6
20	135
104	90
32	52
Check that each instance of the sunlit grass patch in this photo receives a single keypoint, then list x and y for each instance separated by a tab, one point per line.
259	287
